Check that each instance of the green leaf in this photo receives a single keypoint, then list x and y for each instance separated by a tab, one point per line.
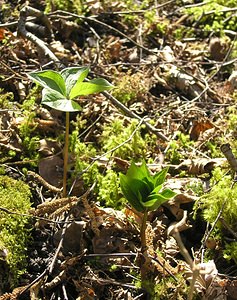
130	192
49	79
138	172
168	193
159	178
157	189
73	75
93	86
57	101
154	201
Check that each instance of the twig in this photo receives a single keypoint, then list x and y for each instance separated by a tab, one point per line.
227	151
131	114
31	216
139	11
212	228
115	148
174	231
227	226
93	19
51	267
21	30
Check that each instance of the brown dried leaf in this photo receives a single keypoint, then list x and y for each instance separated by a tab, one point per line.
199	127
48	147
50	168
200	166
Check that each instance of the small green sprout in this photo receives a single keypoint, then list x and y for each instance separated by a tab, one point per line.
145	193
59	92
143	190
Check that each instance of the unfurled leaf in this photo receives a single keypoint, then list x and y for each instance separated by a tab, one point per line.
73	75
49	79
57	101
129	193
142	190
59	88
168	194
154	201
93	86
159	178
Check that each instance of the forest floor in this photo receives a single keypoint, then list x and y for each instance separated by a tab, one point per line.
172	64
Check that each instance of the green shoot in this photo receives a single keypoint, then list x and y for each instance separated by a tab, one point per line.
59	92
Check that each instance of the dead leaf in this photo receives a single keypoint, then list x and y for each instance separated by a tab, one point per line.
2	33
50	168
199	127
49	147
200	166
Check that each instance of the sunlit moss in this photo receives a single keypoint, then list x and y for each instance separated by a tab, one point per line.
221	201
115	133
109	192
75	6
14	228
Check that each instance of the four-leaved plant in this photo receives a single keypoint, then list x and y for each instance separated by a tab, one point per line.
145	192
60	89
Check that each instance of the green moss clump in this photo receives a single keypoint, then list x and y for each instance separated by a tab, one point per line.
130	87
109	191
14	232
217	20
222	198
75	6
6	99
82	155
116	133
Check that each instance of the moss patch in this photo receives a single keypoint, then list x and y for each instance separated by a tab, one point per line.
14	234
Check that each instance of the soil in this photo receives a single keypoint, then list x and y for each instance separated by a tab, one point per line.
181	86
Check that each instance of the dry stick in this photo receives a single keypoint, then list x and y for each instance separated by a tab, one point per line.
21	30
51	267
131	114
225	58
174	231
93	19
213	226
140	11
227	226
227	151
41	180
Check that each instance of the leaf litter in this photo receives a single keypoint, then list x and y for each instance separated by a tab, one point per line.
80	248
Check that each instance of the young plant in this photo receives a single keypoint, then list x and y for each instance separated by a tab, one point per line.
59	92
145	192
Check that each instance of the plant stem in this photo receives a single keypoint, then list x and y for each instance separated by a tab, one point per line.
65	154
143	232
143	269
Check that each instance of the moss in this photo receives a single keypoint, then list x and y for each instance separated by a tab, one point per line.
14	232
27	129
116	133
130	87
6	99
222	198
82	155
217	20
109	192
221	194
230	251
75	6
